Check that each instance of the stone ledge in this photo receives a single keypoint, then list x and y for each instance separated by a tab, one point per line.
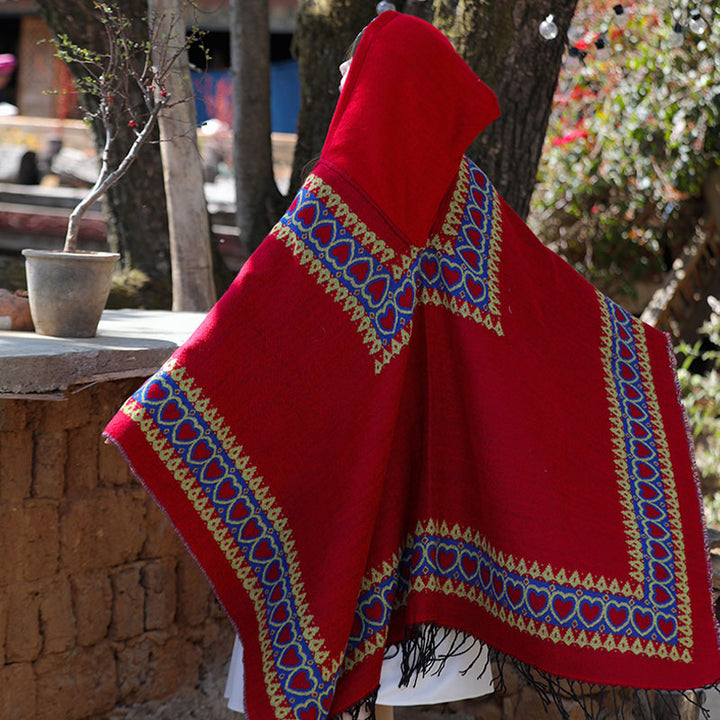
129	343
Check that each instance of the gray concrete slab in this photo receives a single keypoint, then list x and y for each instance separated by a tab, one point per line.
129	343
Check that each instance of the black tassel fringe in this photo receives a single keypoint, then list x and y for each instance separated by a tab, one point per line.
420	658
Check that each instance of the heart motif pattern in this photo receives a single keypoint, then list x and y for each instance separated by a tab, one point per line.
464	271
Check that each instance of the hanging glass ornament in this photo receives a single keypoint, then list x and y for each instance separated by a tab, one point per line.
384	5
677	36
602	47
548	28
697	22
621	16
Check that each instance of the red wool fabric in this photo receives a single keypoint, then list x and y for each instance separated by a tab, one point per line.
407	410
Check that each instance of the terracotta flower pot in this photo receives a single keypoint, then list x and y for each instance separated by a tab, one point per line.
68	291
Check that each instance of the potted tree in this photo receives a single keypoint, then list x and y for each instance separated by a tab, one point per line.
68	289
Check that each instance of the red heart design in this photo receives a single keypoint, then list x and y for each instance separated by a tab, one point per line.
515	593
623	333
655	530
474	236
645	471
324	233
648	492
636	411
341	252
272	574
563	607
429	268
651	512
171	412
477	217
625	352
642	619
406	298
310	712
590	611
477	289
187	432
377	289
498	585
471	258
658	551
360	270
275	595
661	595
387	321
306	215
200	451
251	530
617	615
631	393
375	610
638	430
238	512
626	372
450	275
538	601
290	657
279	616
660	572
155	391
284	636
226	491
667	626
446	559
484	575
300	682
469	565
641	449
214	470
263	550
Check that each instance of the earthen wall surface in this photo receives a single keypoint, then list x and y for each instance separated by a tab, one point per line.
100	603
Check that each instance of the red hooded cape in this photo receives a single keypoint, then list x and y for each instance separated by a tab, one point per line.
407	410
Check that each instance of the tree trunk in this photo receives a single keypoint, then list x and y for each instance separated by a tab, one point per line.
259	203
502	44
324	33
499	40
136	210
193	288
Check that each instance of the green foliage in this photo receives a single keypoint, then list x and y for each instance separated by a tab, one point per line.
629	144
699	376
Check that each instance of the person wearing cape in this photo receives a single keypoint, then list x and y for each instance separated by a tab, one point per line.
408	418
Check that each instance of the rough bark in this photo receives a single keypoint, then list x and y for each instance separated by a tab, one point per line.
259	203
502	43
136	209
499	40
193	287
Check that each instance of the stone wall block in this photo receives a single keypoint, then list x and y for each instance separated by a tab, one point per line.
17	692
12	546
157	665
102	531
158	579
128	603
57	623
13	415
112	468
76	685
193	592
92	600
22	638
71	413
81	469
16	451
162	540
41	539
49	457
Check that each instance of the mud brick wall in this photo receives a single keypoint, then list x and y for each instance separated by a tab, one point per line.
100	603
